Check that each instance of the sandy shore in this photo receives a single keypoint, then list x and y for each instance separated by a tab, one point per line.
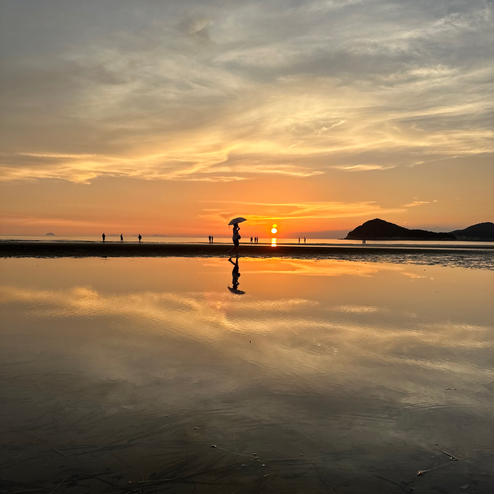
116	249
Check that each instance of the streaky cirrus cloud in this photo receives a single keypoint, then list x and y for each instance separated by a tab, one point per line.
290	213
215	91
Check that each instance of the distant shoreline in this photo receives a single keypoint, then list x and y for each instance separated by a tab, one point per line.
116	249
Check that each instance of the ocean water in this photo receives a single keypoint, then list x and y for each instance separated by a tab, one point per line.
280	375
245	240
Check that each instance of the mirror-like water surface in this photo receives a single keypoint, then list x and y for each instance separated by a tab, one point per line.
195	375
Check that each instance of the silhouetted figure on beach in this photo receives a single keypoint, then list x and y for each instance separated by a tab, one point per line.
103	237
139	237
236	238
305	240
235	277
212	239
298	239
121	237
251	239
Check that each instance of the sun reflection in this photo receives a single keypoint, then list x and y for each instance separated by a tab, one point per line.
273	242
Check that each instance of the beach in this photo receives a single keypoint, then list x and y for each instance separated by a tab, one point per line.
475	255
147	375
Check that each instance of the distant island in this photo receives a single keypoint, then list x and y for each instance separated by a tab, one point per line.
49	234
480	231
378	229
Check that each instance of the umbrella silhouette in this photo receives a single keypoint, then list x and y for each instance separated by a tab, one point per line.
236	291
237	220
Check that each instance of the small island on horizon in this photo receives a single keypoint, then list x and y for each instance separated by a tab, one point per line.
378	229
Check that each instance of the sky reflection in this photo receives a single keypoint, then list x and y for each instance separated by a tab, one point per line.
320	346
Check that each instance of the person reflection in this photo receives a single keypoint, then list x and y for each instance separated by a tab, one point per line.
235	277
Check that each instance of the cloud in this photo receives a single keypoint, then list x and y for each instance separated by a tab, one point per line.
418	203
212	92
362	167
322	210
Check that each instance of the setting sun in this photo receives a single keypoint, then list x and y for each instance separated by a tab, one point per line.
274	229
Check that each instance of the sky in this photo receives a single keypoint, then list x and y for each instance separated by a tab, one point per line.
171	117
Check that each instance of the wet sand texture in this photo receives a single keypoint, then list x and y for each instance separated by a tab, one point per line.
327	376
99	249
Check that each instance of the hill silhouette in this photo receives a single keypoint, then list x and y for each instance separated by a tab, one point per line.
480	231
378	229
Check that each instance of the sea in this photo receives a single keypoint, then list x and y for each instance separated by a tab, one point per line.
245	240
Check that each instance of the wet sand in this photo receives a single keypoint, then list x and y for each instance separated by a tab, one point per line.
117	249
148	376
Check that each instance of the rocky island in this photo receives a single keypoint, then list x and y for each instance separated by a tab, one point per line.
378	229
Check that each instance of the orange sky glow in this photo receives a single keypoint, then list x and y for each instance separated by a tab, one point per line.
173	117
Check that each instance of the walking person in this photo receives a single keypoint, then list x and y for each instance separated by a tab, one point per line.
103	237
236	237
139	237
121	237
236	234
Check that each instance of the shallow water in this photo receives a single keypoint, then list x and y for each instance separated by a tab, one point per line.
246	240
150	375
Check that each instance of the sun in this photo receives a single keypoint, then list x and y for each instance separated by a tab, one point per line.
274	229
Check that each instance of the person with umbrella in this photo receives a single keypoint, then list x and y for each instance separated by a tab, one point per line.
236	233
235	276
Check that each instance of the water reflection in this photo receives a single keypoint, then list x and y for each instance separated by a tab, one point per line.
235	277
324	369
273	242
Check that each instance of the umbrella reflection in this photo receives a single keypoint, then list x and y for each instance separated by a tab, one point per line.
235	277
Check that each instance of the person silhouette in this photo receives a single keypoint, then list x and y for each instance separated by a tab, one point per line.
139	237
305	240
235	277
103	237
236	238
121	237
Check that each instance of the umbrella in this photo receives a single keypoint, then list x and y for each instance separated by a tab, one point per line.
237	220
236	291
